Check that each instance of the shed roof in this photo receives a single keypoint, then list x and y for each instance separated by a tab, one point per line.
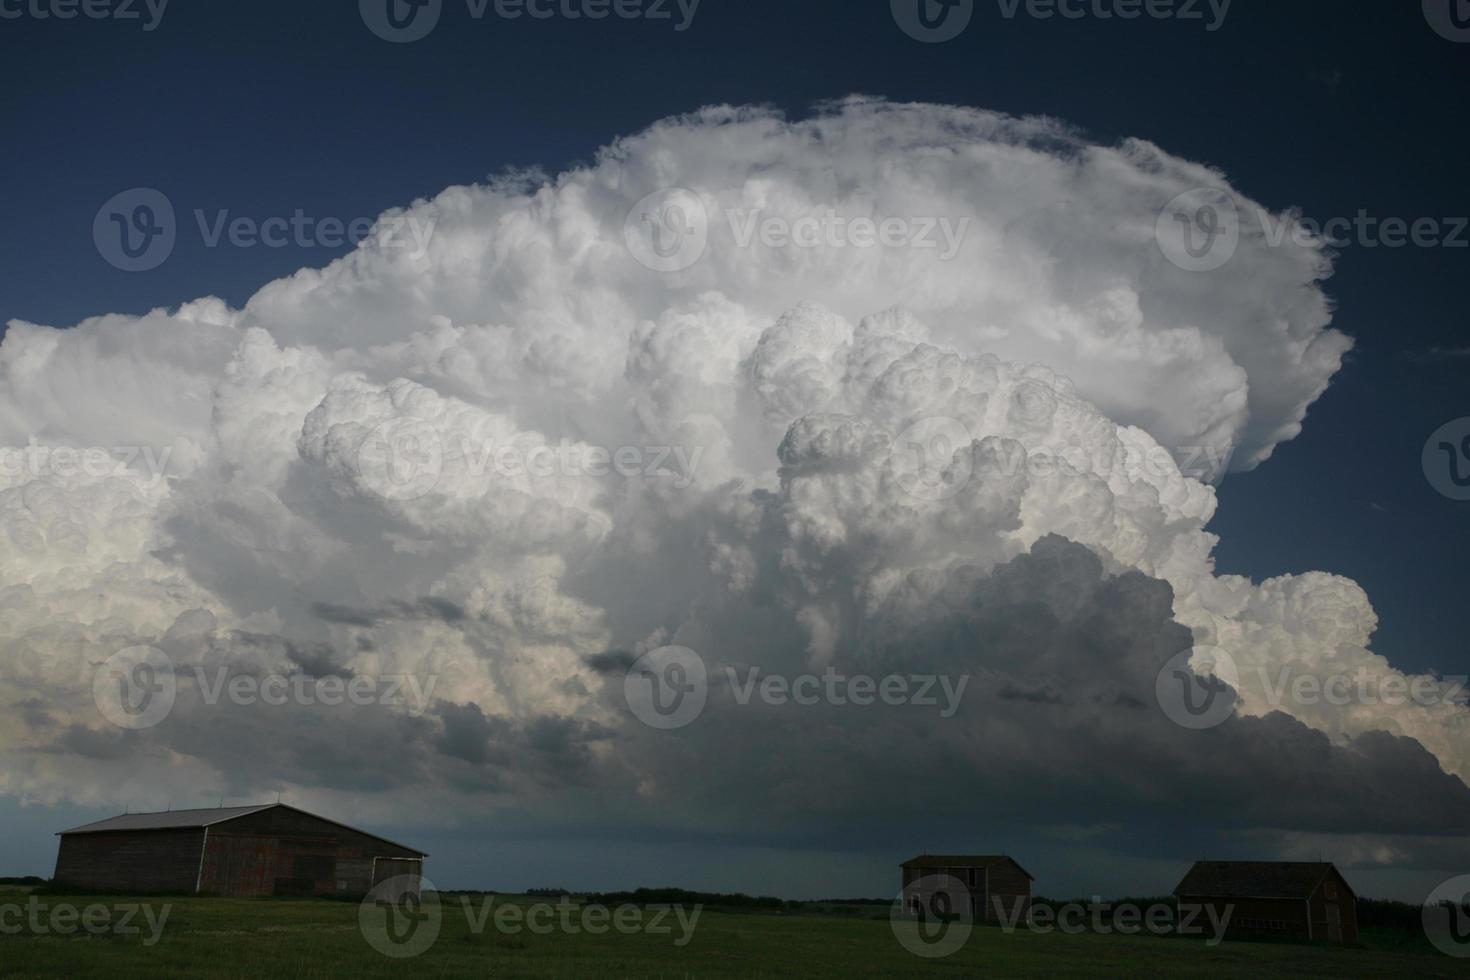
208	817
962	861
1254	879
168	819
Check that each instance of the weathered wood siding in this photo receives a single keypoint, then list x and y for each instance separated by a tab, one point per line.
283	822
978	887
1009	885
1250	918
131	861
239	866
1286	918
1334	900
284	852
277	851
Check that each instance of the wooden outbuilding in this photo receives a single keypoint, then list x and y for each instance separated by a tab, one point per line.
1307	900
238	851
980	879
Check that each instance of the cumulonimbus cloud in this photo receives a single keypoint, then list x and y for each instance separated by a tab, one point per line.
503	459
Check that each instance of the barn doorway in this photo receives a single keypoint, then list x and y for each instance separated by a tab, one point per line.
404	875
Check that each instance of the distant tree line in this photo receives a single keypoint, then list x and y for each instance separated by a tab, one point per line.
681	896
1379	913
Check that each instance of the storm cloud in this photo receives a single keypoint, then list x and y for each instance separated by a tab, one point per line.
518	461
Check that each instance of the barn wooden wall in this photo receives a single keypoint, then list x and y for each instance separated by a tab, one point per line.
283	852
131	861
272	852
1008	883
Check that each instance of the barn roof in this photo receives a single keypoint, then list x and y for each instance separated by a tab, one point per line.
962	861
208	817
1254	879
168	819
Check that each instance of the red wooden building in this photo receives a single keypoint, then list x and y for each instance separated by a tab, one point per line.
239	851
1272	899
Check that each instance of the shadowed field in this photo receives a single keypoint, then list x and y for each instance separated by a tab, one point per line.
273	938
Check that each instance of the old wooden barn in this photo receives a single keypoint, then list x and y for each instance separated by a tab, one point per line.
241	851
1282	899
982	880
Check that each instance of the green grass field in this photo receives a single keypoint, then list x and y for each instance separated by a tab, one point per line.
205	938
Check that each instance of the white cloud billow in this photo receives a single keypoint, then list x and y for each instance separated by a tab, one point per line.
1076	361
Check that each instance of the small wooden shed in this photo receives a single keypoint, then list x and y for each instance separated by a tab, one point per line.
984	880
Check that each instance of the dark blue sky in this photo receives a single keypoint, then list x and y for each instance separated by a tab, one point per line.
269	106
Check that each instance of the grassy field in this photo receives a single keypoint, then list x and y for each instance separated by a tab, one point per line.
204	938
